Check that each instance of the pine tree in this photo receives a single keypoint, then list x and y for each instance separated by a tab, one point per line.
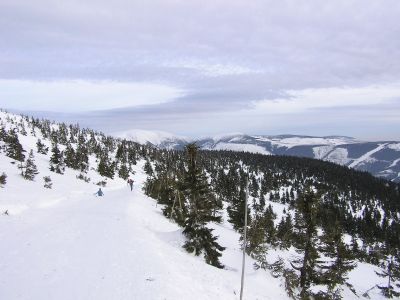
57	164
335	271
3	179
3	133
391	271
106	167
148	169
256	238
284	232
70	157
236	209
306	242
22	129
14	148
29	169
121	153
200	204
123	172
82	157
47	182
269	229
41	148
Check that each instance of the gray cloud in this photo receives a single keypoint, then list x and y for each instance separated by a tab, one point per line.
224	54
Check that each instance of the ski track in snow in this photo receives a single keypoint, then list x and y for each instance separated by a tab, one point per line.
366	155
394	163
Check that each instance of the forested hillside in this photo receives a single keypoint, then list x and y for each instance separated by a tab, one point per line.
330	215
310	223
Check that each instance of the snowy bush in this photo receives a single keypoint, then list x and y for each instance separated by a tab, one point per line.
47	182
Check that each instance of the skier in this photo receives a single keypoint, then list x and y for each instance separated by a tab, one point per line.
99	193
130	182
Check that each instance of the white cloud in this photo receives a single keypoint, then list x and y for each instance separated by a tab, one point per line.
212	69
79	95
308	99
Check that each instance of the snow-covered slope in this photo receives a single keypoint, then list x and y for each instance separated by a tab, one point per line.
379	158
158	138
67	243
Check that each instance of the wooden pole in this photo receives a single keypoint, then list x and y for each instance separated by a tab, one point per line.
244	237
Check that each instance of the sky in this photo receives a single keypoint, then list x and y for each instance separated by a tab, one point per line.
198	68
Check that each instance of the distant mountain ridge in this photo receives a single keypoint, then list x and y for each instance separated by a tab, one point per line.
381	159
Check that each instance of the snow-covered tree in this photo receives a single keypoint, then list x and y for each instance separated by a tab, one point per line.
200	202
14	148
29	169
41	147
3	179
306	242
47	182
57	164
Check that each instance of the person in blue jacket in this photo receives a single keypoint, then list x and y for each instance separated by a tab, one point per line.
99	193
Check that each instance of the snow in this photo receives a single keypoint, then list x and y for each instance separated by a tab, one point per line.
395	147
241	147
232	136
306	141
322	151
367	155
339	156
66	243
394	163
146	136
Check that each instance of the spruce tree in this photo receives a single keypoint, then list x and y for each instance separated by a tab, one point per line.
256	238
123	172
3	179
3	133
70	157
14	148
390	270
200	204
306	239
106	167
57	164
41	148
236	209
29	169
148	169
269	229
341	261
82	158
284	232
47	182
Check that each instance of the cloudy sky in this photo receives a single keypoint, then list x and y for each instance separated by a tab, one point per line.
200	68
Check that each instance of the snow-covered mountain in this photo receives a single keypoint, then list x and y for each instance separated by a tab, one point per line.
157	138
64	242
381	159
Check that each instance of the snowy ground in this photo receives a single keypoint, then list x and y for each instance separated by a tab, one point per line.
66	243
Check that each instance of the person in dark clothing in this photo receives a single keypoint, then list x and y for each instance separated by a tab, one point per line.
130	182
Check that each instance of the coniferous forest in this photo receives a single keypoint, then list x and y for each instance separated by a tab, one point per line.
327	217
